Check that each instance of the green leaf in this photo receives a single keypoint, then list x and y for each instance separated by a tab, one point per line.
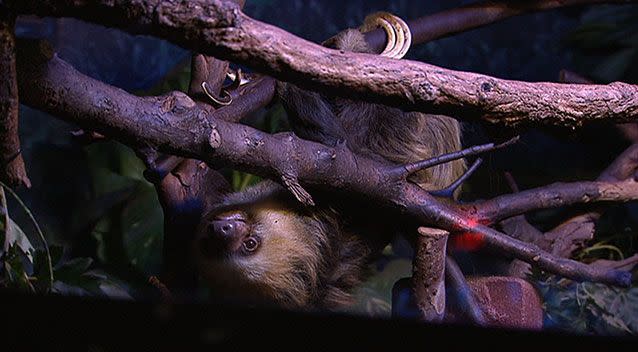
90	283
41	266
114	291
16	237
17	275
108	172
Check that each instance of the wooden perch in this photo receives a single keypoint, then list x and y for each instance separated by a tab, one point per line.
428	278
218	28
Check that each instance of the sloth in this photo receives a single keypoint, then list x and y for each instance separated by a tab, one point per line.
261	245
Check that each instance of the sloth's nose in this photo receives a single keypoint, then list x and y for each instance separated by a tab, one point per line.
229	229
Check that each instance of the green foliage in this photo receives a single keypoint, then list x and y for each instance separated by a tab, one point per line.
595	308
17	250
589	308
75	277
177	79
29	269
128	220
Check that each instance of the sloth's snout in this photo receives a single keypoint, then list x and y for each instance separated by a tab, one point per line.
226	233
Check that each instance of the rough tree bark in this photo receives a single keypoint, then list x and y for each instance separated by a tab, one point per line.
428	277
218	28
12	170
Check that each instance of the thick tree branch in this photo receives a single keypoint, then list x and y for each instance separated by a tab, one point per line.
220	29
629	130
12	169
187	188
174	124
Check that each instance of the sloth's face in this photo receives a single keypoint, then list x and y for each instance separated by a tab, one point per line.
263	252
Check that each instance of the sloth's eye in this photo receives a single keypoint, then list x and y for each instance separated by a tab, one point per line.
251	244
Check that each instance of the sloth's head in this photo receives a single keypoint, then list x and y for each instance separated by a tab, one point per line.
261	245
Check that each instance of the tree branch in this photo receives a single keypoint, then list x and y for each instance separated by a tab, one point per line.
629	130
406	170
572	234
174	124
220	29
460	288
552	196
12	169
428	278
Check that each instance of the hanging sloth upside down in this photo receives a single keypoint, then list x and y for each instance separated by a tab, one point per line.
262	245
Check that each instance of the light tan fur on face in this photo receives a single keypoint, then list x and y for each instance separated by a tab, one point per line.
285	265
287	260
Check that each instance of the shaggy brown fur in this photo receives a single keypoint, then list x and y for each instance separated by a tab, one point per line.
373	129
314	257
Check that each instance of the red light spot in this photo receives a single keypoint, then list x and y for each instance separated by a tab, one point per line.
472	222
468	241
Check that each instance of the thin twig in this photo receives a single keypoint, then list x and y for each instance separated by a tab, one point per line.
448	192
408	169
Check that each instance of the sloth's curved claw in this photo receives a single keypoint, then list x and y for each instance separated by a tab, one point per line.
397	31
238	77
224	100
